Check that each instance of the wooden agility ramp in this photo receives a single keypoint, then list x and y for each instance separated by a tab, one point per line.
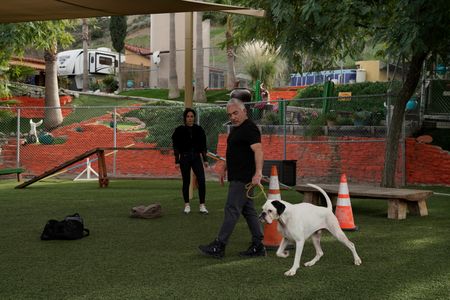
103	179
102	173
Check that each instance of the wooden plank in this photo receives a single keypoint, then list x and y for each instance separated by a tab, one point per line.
56	169
103	180
366	191
400	201
311	197
396	209
418	208
102	172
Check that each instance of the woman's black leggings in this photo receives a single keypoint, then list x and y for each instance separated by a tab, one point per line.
192	161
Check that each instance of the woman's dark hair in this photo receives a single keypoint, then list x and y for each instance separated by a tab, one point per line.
186	111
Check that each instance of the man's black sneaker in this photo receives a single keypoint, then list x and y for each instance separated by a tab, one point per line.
254	250
215	249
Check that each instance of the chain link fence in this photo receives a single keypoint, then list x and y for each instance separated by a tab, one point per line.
438	97
347	137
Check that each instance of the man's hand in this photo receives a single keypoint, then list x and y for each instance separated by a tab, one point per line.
222	175
256	179
259	161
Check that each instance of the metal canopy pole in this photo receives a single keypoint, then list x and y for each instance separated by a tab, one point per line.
188	60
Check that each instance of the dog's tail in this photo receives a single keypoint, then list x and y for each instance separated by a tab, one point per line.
329	205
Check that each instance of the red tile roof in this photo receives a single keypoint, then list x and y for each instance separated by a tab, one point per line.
138	50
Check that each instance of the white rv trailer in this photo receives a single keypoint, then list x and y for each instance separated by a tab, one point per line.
102	62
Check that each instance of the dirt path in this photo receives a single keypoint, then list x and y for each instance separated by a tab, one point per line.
139	32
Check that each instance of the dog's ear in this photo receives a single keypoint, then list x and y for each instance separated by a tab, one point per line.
279	206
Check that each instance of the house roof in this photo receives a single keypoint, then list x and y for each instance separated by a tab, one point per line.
35	63
138	50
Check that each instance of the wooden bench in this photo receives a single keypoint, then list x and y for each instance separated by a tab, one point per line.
9	171
400	201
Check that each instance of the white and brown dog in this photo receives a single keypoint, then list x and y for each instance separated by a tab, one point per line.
297	222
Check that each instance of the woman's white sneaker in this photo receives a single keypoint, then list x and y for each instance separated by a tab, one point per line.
203	210
187	209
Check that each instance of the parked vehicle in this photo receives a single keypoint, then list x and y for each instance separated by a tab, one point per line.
101	61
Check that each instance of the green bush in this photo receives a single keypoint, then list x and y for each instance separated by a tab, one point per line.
342	121
315	126
110	83
212	120
270	118
6	116
19	73
312	91
159	120
162	121
370	103
95	85
361	88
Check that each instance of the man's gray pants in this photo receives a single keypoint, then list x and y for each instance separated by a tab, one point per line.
237	203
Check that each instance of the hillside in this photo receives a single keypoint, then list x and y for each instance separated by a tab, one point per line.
138	32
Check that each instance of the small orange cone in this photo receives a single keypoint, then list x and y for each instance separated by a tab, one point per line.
272	238
343	211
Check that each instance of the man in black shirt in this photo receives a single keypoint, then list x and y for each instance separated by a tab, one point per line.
244	165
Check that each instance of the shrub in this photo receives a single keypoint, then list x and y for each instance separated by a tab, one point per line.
374	105
315	127
270	118
95	85
361	88
212	120
162	121
19	73
110	83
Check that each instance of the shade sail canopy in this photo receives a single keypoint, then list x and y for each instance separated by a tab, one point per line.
12	11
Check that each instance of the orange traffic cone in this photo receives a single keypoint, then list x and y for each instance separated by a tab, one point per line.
272	238
343	211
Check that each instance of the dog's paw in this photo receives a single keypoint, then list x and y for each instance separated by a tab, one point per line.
358	261
283	254
290	272
310	263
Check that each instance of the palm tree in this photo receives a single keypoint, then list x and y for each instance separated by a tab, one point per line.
229	41
199	92
53	115
85	37
174	92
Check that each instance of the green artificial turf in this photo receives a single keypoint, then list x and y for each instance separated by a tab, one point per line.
127	258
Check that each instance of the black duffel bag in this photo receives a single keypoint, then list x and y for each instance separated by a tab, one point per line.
71	228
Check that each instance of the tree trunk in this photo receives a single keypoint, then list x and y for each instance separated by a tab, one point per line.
174	92
53	115
119	74
85	37
395	126
231	72
199	92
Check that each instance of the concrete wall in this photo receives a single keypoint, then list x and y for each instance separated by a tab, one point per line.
372	68
160	41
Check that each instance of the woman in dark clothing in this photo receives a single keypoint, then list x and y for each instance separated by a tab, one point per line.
189	148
